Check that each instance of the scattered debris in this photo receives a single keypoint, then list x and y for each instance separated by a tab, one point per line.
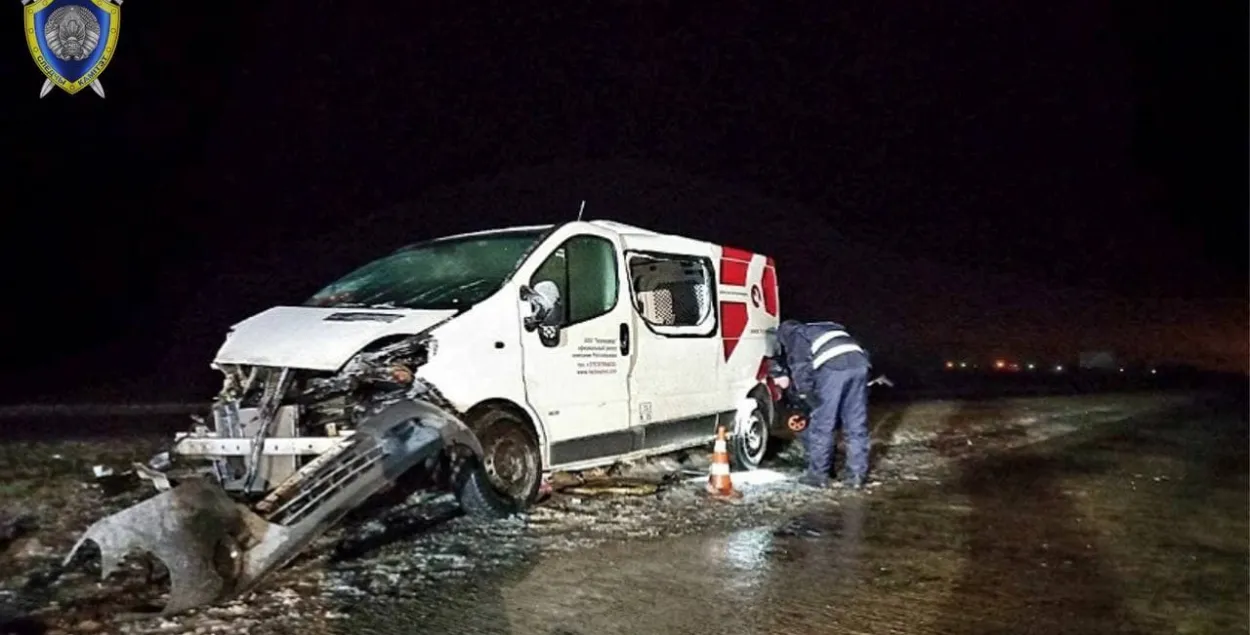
112	483
158	479
425	540
616	481
613	487
160	463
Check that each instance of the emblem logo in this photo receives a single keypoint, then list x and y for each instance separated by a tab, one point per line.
72	41
756	296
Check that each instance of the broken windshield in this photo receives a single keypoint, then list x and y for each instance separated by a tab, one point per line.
449	273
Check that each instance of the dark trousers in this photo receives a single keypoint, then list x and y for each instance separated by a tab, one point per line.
839	395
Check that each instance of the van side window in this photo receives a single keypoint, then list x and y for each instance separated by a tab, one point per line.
584	269
673	293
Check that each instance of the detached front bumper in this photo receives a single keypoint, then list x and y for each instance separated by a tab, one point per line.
211	545
215	547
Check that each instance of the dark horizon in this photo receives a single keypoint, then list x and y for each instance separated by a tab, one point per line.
989	179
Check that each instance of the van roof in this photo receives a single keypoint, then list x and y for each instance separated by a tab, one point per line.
498	230
622	228
632	236
610	225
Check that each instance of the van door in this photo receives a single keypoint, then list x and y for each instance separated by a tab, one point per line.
580	386
674	386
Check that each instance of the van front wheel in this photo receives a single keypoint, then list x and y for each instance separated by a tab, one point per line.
510	469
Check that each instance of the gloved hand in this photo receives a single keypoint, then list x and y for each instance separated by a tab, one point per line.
797	402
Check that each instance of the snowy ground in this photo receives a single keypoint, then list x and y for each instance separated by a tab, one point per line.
425	542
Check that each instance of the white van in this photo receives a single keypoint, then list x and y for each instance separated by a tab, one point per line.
648	343
501	356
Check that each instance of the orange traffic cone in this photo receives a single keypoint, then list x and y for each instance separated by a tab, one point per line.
719	483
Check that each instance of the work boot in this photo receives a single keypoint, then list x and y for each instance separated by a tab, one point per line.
812	479
855	482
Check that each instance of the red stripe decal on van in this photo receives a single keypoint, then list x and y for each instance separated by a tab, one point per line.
770	289
733	266
733	317
733	272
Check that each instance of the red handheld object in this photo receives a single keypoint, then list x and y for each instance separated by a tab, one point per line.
796	422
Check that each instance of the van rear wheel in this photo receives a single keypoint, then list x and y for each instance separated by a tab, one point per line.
510	469
748	447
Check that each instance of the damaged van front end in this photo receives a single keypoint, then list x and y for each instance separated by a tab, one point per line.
322	406
291	448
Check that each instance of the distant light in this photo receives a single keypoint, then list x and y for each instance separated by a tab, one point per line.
1154	371
963	364
1059	369
999	364
950	364
1032	366
1121	370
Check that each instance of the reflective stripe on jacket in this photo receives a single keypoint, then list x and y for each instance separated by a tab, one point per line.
834	343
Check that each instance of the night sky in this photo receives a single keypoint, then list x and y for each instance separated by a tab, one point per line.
947	178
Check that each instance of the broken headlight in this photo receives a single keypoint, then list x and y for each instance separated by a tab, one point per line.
394	363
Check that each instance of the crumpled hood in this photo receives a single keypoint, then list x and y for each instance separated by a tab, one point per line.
317	338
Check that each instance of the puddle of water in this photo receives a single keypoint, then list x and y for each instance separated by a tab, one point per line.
751	479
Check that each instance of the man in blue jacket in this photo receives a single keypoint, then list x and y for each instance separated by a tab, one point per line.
829	370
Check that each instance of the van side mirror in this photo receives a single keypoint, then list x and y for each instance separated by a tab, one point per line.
542	300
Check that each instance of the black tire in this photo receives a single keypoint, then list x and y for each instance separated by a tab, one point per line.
748	450
508	476
477	497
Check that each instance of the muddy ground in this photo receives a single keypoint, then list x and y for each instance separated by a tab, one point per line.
412	555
